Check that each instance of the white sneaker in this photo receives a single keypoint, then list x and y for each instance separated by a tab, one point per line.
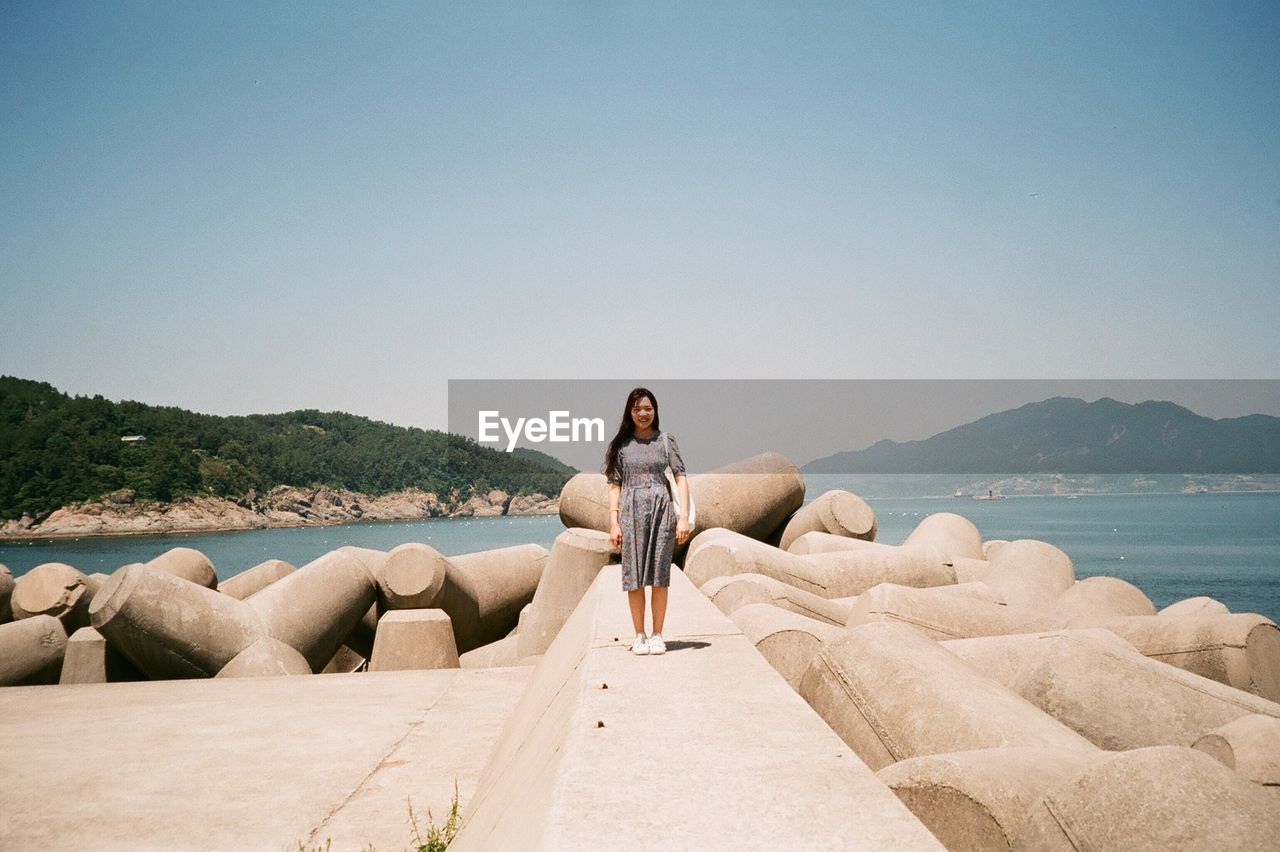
640	647
656	645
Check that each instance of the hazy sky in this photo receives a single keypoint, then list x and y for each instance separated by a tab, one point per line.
248	207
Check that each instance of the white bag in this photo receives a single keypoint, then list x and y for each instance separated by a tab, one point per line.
675	492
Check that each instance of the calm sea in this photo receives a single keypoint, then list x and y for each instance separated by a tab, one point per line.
1145	530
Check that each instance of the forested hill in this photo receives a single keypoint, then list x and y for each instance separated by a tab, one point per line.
55	449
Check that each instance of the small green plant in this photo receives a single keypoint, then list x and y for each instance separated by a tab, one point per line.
438	837
328	843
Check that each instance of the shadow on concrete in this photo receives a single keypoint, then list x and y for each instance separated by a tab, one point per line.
677	645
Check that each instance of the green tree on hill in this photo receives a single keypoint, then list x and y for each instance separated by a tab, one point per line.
56	449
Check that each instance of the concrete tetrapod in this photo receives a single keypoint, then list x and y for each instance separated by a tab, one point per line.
1099	686
1193	606
1030	573
1096	597
836	512
871	686
724	553
953	534
484	591
752	497
189	564
787	640
1160	798
736	590
1240	649
941	613
772	778
170	627
829	575
89	659
1250	745
977	800
411	577
853	572
576	559
818	541
344	662
52	589
6	590
932	562
266	656
257	578
414	639
31	650
498	654
315	609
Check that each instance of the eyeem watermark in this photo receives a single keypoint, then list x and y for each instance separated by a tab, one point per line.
558	428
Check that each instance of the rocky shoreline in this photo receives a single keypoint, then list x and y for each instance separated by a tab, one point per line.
283	506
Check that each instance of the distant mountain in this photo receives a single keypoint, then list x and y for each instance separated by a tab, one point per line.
1067	435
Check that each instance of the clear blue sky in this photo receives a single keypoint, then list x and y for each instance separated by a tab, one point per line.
242	207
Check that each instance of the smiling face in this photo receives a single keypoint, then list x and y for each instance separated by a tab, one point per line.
642	414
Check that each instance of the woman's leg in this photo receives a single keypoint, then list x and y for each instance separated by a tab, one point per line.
659	608
635	598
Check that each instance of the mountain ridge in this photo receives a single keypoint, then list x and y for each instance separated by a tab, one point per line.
1070	435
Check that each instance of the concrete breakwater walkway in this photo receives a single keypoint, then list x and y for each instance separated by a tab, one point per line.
707	747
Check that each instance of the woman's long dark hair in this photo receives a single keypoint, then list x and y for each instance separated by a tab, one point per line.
627	428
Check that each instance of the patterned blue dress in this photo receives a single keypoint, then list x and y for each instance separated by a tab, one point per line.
645	511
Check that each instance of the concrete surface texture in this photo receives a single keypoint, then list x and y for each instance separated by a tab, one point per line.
977	800
266	656
31	650
255	579
955	535
314	609
1200	605
1101	687
411	577
576	559
187	563
170	627
1094	597
871	683
414	639
1159	798
6	591
1250	745
942	614
598	724
484	592
257	763
504	652
86	658
836	512
52	589
736	590
1238	649
1030	573
852	572
725	553
788	641
818	541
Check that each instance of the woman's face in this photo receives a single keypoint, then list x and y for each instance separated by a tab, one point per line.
642	413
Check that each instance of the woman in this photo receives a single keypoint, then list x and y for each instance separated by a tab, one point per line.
643	522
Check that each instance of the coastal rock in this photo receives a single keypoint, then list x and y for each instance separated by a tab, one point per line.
282	506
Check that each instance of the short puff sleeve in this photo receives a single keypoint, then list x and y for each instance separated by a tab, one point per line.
673	456
615	478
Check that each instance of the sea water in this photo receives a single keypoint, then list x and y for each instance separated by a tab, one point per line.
1163	534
